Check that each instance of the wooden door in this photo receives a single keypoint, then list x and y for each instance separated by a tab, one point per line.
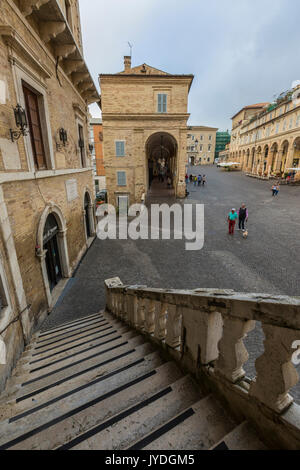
32	109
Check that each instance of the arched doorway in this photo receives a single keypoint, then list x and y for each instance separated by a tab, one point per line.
52	249
161	154
50	246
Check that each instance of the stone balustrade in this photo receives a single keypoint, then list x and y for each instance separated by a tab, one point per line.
205	328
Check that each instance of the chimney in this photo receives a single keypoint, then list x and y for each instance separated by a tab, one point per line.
127	63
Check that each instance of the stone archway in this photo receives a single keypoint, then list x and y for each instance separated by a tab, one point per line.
52	227
88	214
161	158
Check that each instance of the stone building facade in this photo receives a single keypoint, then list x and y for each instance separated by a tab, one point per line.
201	145
267	141
145	113
46	181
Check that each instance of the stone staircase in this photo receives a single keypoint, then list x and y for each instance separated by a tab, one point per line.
95	383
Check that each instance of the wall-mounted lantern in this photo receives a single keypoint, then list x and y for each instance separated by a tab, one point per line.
63	135
21	123
91	148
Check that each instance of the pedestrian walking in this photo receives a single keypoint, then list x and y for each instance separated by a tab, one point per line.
243	216
274	190
186	178
195	180
191	178
199	180
203	180
232	217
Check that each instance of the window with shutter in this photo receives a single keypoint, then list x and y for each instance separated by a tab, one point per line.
162	103
121	177
34	121
120	148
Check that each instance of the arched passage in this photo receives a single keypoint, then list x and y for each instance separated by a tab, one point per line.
52	249
88	213
161	154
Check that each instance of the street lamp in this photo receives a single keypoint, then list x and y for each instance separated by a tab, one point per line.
21	122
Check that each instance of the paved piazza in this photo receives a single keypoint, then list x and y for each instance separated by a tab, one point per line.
268	261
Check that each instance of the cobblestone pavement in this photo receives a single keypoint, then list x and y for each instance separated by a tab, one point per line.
268	261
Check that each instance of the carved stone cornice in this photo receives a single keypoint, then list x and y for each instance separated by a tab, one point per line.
17	45
64	50
51	29
28	6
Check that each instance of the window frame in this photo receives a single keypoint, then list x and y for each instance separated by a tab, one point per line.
118	173
162	106
33	82
124	148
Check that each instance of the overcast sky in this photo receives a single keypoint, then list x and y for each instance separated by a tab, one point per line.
240	51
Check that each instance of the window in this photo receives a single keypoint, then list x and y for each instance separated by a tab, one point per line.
291	123
209	148
201	148
298	121
35	129
284	125
277	128
201	137
161	103
209	138
81	145
120	148
121	178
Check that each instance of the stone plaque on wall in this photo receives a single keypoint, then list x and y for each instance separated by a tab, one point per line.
72	192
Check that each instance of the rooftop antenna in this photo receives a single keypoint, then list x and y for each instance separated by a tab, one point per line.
131	47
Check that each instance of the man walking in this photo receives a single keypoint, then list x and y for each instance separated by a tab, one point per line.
243	217
199	180
232	216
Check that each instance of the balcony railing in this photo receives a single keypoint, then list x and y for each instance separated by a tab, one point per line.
203	329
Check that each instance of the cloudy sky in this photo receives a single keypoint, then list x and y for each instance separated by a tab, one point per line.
240	51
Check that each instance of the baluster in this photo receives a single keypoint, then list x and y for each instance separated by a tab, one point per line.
174	320
232	351
140	313
152	306
276	373
130	300
160	320
203	331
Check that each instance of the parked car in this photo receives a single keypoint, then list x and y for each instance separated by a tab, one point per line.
101	197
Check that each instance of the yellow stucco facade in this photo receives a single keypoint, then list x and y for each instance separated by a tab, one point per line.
268	142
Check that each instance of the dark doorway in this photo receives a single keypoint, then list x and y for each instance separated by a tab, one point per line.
52	252
87	215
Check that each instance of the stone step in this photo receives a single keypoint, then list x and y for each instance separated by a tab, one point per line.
71	323
75	351
106	351
37	347
134	423
15	434
36	394
198	427
36	351
243	437
45	337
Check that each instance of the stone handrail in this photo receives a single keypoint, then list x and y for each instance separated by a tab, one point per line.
206	327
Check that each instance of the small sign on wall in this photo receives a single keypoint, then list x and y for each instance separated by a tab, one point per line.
72	191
